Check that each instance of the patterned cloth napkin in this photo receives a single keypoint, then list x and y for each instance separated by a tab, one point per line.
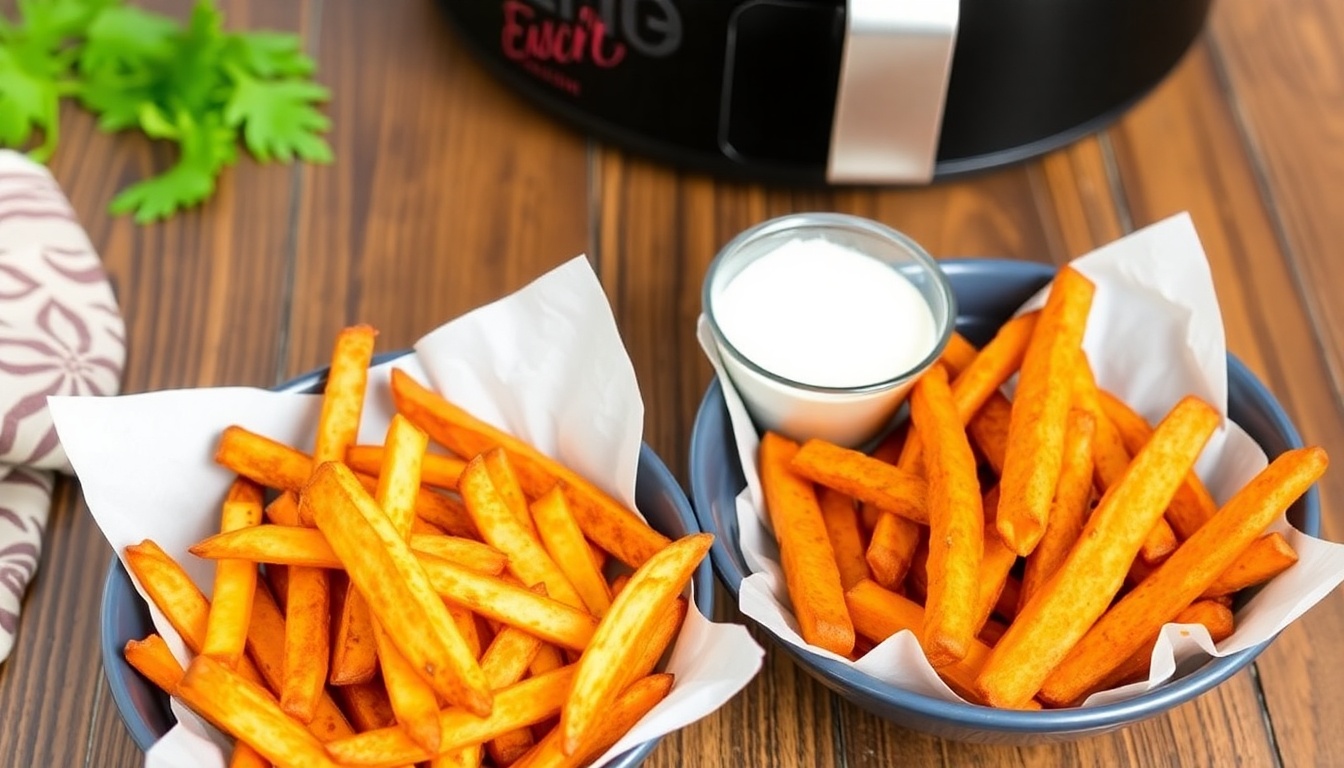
60	334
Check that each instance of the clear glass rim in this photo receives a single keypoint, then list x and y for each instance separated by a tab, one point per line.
830	221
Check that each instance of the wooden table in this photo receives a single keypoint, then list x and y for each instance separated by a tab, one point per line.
449	191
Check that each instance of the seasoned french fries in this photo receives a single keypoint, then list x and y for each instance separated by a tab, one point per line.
1080	591
565	544
151	658
603	519
235	580
842	529
598	676
247	711
805	550
1070	507
289	545
1267	557
633	703
395	586
956	523
1040	408
1185	575
863	477
436	469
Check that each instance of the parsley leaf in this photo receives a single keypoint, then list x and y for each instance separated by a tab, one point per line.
191	84
206	148
278	118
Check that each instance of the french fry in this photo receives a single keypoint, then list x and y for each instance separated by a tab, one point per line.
659	638
629	708
151	658
603	519
518	706
1080	591
805	551
307	641
284	509
514	605
436	469
394	584
1111	459
879	614
287	545
235	580
1040	408
1069	509
414	703
506	484
863	477
599	673
355	650
1187	573
988	429
894	538
276	465
266	646
1267	557
565	543
247	712
244	756
500	528
1192	505
842	530
956	523
1215	617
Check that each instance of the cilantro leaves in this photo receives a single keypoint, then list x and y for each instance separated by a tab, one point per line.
192	84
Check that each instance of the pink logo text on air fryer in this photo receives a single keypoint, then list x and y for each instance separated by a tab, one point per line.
543	34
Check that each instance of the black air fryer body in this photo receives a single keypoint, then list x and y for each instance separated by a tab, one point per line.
748	87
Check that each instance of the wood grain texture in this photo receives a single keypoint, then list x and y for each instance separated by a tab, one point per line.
448	192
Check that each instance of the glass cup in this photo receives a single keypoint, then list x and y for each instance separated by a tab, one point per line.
850	415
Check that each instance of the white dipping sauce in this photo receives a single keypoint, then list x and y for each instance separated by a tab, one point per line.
820	313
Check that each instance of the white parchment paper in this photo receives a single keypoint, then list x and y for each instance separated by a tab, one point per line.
545	364
1154	335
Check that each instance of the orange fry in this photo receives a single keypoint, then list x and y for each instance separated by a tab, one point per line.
504	663
1040	408
1080	591
599	673
630	707
958	354
805	551
367	705
500	527
394	584
307	641
956	523
863	477
494	598
1111	459
247	712
235	580
517	706
437	470
1192	505
842	529
993	576
245	756
151	658
603	519
565	543
1187	573
1267	557
287	545
1069	509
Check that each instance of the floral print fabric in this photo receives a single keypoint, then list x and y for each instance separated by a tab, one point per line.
60	334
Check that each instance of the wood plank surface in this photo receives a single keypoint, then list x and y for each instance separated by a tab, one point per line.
450	191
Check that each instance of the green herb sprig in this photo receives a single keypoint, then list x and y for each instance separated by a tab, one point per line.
192	84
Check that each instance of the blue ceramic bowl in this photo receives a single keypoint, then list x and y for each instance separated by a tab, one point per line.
988	292
144	708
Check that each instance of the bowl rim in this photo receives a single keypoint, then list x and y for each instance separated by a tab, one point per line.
1058	721
117	584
